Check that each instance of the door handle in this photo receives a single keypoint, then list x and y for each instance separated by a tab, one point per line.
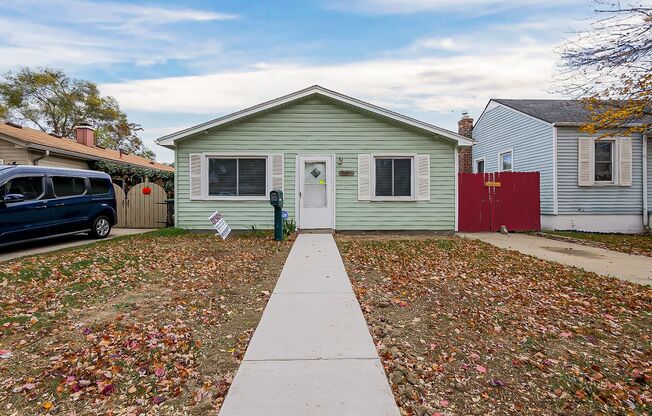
40	207
59	205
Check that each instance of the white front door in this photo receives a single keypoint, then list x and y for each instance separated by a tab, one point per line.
315	192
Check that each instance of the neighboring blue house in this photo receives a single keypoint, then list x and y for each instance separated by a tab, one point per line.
586	184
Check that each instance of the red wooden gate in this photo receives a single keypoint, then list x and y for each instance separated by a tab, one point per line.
488	201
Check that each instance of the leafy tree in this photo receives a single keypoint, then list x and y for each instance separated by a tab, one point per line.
54	102
609	65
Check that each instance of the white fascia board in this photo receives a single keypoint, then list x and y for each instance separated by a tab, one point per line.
170	139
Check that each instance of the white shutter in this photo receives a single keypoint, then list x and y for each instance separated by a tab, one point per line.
584	153
364	177
423	177
196	176
625	161
277	171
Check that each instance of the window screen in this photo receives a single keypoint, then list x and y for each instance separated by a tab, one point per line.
393	177
237	177
99	186
68	186
604	161
30	187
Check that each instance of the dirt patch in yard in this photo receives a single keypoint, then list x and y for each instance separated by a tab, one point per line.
156	323
465	328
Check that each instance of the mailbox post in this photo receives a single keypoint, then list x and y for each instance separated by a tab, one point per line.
276	200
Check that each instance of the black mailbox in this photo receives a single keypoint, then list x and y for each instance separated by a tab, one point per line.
276	198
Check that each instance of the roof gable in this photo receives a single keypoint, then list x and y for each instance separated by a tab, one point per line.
169	140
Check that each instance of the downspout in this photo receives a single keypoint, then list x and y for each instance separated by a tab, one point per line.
43	156
646	218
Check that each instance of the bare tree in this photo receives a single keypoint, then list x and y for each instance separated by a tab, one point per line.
609	65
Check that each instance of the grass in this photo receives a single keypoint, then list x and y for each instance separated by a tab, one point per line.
150	323
640	244
485	331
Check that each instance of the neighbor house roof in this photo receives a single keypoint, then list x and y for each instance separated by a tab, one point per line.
36	139
170	139
571	112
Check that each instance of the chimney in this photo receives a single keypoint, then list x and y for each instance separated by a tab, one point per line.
85	134
465	154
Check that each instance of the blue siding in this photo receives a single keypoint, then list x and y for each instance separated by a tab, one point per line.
502	128
609	199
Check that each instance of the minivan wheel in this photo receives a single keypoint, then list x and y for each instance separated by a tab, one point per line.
101	227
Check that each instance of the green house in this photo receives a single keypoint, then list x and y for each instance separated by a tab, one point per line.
342	163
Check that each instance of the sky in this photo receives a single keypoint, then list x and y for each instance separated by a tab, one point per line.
174	64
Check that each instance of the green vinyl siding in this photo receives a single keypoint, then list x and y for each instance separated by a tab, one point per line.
317	126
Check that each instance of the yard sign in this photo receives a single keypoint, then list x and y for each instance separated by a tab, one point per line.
222	228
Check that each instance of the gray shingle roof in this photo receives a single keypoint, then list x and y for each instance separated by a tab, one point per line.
554	111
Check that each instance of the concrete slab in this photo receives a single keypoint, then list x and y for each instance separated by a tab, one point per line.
312	354
306	279
311	326
58	243
310	388
632	268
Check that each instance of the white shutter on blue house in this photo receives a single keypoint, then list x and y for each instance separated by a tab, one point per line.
584	156
625	161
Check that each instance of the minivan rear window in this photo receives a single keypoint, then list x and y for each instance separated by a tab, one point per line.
68	186
99	186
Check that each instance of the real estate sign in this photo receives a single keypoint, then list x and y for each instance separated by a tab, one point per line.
222	228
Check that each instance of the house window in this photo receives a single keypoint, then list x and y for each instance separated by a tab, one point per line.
479	166
246	176
505	161
604	161
393	177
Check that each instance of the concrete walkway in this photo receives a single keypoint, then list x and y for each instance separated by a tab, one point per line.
637	269
312	353
57	243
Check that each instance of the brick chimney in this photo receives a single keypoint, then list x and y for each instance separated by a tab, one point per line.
85	134
465	154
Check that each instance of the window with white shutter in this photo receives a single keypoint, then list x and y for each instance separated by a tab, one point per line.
364	177
584	152
423	177
625	161
196	170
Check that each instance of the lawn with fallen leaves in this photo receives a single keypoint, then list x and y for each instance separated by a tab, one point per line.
639	244
465	328
154	323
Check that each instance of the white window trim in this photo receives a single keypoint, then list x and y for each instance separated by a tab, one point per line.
475	164
413	172
615	165
239	155
500	161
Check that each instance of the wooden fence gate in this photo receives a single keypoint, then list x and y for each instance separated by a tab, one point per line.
144	206
488	201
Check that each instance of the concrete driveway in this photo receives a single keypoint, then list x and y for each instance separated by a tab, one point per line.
637	269
57	243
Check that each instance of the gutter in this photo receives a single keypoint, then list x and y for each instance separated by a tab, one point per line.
43	156
646	217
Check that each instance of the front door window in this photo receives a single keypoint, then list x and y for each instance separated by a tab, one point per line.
315	185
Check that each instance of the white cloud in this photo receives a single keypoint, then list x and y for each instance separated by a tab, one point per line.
472	7
98	33
415	84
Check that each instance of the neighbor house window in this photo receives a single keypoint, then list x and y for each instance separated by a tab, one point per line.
506	162
393	177
604	161
479	166
246	176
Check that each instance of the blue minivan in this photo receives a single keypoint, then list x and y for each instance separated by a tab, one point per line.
41	202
